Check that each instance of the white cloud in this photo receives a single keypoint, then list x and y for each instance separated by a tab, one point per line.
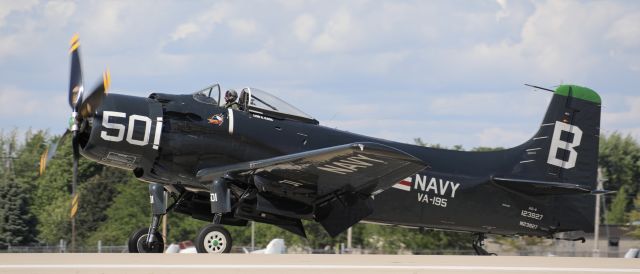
14	101
625	121
261	59
382	63
338	34
242	26
8	45
625	32
17	105
559	40
8	7
523	103
504	11
185	30
204	22
21	34
304	27
107	22
58	13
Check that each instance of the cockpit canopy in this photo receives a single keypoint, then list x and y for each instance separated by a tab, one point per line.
256	101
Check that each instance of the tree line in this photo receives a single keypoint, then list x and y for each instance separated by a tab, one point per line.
34	208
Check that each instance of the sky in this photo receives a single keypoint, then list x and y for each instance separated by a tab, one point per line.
448	72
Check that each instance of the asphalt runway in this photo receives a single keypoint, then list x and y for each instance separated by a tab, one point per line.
334	264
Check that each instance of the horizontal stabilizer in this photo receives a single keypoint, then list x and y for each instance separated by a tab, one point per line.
535	187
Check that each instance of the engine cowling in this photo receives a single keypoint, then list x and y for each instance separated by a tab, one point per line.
125	133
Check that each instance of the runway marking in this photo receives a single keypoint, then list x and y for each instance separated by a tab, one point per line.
289	266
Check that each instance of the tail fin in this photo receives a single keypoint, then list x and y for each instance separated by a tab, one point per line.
565	148
562	158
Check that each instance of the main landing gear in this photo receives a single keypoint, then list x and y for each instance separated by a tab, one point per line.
138	242
149	240
477	244
214	238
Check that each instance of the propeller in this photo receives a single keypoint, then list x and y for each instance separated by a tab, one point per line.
83	105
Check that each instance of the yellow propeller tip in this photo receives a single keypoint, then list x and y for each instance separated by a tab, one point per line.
43	161
74	39
106	81
75	43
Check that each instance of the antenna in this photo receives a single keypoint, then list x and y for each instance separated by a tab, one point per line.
540	88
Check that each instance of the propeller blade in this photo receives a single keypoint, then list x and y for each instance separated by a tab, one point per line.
43	162
76	158
92	101
75	81
50	151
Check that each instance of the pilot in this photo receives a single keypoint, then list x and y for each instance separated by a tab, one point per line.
230	96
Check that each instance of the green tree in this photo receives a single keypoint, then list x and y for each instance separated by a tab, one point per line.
16	227
96	197
129	211
618	210
619	158
17	223
27	159
634	217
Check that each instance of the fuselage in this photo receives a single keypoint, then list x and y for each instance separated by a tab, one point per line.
167	139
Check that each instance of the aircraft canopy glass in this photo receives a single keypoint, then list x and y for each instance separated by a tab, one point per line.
260	99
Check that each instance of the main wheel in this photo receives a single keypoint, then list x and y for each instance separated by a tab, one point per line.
138	242
213	238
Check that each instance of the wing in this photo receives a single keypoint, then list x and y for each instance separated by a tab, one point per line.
337	182
357	167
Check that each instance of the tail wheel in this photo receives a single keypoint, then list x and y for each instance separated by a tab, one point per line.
138	242
213	238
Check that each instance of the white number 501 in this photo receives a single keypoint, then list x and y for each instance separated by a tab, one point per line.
120	128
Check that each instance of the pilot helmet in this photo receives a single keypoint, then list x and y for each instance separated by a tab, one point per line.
231	95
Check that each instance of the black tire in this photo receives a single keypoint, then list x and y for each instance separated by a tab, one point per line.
213	238
138	242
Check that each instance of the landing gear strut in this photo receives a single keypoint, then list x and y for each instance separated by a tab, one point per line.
138	242
477	244
149	240
214	238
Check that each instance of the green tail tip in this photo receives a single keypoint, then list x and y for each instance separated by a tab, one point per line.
579	92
